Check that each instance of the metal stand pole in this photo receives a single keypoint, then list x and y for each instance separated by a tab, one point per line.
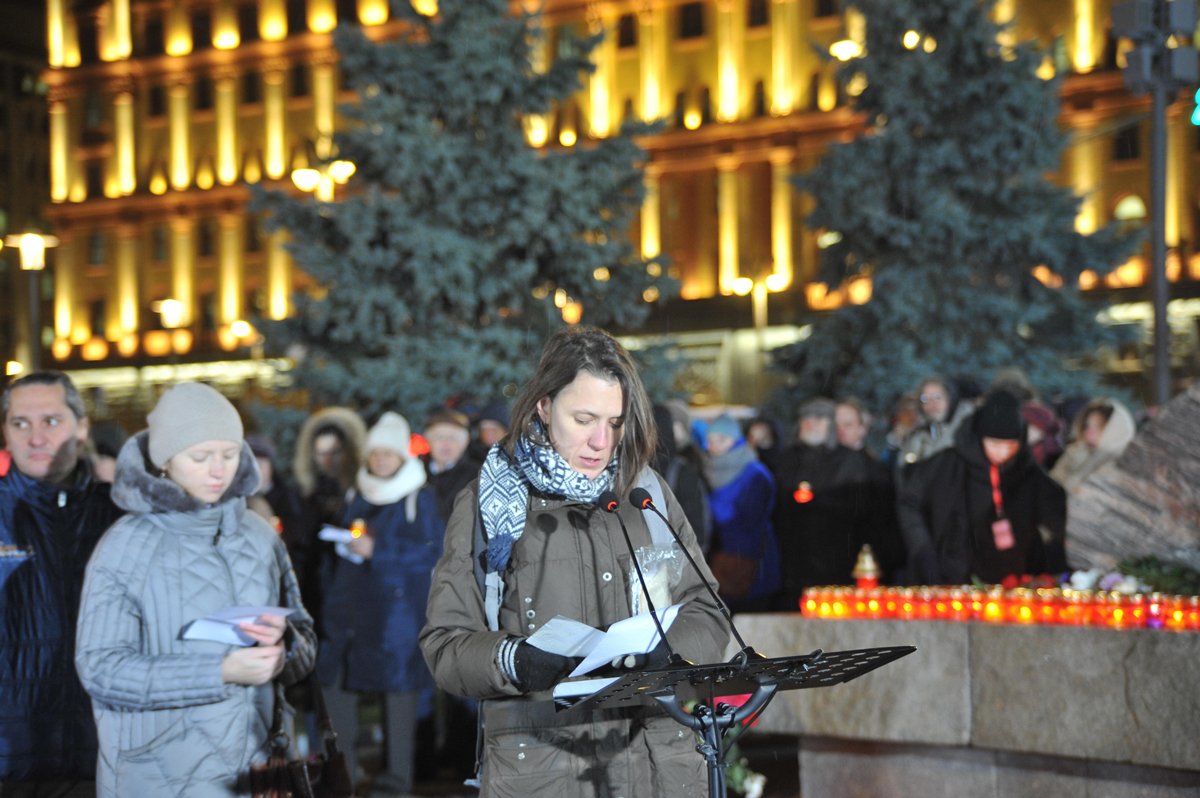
35	322
1158	245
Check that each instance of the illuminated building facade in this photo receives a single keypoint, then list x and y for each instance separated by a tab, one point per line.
161	111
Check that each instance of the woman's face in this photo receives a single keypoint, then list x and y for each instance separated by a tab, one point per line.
584	422
1093	428
205	470
383	463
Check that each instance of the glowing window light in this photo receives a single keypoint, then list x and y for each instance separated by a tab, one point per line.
845	49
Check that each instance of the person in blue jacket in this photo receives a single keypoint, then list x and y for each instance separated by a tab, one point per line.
375	596
52	513
743	550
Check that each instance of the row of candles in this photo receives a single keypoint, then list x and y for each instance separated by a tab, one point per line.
1057	606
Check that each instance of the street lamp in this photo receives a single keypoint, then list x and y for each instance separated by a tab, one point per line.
313	171
1160	66
32	248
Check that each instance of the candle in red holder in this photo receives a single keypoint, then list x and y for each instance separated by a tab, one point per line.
1101	608
1156	611
939	602
1119	616
1020	606
866	571
978	600
1191	613
960	605
860	603
1173	616
891	603
1047	602
841	602
808	602
995	606
875	603
1139	608
906	608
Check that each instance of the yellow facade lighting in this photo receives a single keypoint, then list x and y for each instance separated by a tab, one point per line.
342	170
536	130
601	274
127	346
777	281
322	16
157	343
171	312
567	137
427	8
225	34
651	294
572	312
845	49
692	119
742	286
181	341
911	39
929	44
372	12
241	328
60	349
94	349
306	179
272	20
13	367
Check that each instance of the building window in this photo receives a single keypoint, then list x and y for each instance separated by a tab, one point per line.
201	29
297	22
299	81
158	243
627	31
251	88
93	110
204	93
680	109
205	239
347	11
253	235
691	20
96	317
156	102
760	98
95	248
1127	144
705	105
826	8
758	13
247	17
87	34
152	35
628	115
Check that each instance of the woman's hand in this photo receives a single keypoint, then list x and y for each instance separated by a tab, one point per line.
253	665
266	630
363	546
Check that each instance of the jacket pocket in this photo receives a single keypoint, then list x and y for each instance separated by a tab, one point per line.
139	771
526	763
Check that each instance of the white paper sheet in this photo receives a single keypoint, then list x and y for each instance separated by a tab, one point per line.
335	534
222	626
565	636
635	635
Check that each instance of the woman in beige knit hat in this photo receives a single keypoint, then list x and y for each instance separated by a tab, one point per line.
175	715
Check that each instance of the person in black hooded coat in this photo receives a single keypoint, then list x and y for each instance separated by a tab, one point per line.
972	512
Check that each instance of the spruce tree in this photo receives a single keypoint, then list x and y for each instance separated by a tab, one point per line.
439	264
944	201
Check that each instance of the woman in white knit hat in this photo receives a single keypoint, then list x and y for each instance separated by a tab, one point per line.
374	600
176	716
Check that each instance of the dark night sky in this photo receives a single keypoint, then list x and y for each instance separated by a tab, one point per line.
23	27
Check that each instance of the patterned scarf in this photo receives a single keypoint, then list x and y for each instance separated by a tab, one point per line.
504	485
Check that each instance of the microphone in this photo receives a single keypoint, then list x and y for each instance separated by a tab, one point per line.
609	502
641	498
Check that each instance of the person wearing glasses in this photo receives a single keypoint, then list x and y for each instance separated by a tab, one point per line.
942	413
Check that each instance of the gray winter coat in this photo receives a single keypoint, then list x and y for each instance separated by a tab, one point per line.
168	725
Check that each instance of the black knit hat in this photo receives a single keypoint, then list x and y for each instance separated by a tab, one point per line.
999	417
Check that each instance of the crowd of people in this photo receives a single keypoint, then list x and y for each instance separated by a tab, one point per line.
408	567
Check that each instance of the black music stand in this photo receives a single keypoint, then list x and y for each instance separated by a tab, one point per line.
746	673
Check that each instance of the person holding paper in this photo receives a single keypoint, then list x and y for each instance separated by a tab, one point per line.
375	607
581	426
178	716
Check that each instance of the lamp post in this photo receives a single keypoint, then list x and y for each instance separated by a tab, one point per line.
1159	66
32	252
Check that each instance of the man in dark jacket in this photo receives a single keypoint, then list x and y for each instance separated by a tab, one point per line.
52	512
450	465
832	501
974	510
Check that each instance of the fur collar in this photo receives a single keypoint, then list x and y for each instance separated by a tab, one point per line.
380	491
355	432
141	488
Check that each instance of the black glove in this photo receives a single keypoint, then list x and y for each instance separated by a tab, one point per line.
654	658
530	668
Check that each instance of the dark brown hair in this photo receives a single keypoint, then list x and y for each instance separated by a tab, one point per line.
574	350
